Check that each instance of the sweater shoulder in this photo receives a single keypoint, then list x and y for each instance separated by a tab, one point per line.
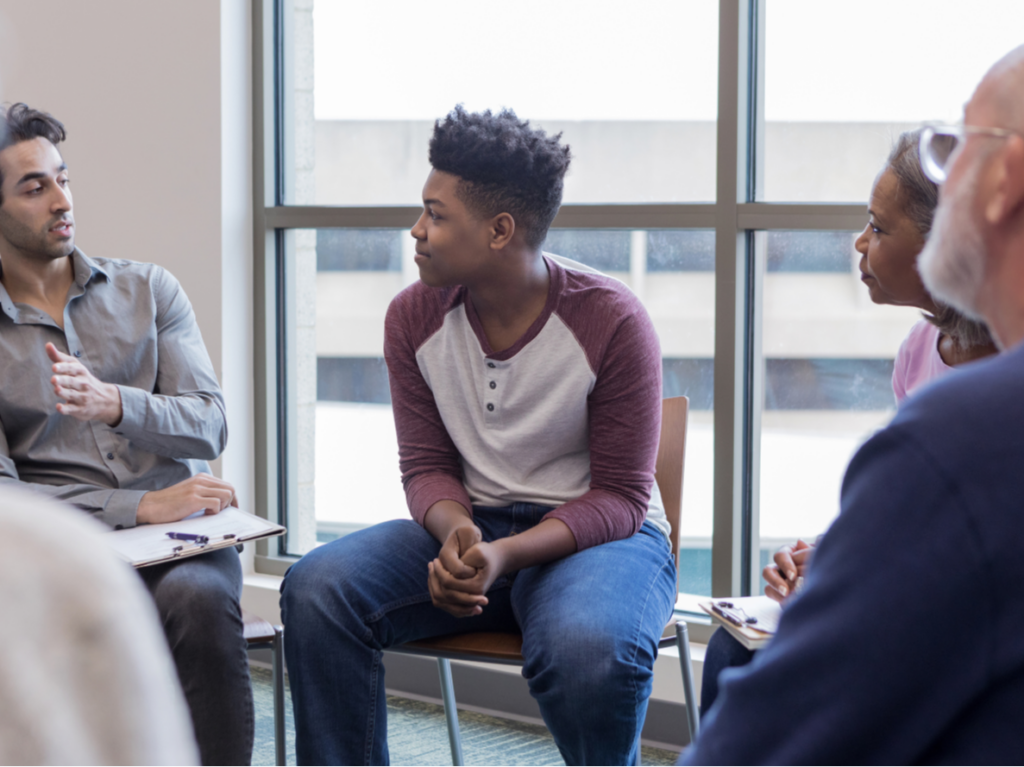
418	312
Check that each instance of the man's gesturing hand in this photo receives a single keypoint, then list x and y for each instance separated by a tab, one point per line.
198	493
85	397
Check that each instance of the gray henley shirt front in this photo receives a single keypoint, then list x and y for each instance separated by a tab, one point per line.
131	325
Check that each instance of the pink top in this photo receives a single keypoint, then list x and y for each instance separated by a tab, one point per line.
918	361
568	417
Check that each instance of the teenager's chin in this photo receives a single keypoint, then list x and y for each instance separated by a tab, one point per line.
433	280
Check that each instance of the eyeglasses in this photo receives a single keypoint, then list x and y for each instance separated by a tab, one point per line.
938	142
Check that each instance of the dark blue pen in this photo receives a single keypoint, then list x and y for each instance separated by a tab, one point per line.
189	537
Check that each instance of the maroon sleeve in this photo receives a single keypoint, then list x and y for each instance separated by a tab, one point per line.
625	424
429	461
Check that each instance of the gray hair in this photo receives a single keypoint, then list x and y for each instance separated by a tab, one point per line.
918	196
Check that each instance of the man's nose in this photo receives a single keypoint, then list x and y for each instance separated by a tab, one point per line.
61	199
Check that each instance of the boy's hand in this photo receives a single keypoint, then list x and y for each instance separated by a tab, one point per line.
460	540
463	597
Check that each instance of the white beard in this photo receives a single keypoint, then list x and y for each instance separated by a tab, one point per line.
952	264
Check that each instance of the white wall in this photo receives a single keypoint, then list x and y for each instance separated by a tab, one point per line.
156	100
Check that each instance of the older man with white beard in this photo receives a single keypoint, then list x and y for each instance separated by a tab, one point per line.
907	644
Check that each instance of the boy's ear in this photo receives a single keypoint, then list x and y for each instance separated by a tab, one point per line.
503	226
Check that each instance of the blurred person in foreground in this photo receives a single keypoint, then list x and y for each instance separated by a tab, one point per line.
905	646
85	676
900	216
109	402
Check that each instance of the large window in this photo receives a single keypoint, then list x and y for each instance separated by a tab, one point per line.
723	154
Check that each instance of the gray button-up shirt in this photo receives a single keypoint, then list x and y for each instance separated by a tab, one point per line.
131	325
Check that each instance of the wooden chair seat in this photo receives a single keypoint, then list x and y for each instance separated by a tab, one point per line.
257	630
492	646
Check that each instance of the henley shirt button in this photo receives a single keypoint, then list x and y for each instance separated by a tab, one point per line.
110	456
490	406
494	385
78	353
491	365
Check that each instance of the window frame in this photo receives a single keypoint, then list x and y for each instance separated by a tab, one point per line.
735	216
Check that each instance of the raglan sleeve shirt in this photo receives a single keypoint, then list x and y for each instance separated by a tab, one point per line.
623	409
624	413
428	459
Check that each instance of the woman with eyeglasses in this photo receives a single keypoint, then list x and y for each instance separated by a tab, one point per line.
902	205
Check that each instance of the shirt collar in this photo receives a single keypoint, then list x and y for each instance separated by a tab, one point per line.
85	268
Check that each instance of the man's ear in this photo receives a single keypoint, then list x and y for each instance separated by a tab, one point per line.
503	226
1007	200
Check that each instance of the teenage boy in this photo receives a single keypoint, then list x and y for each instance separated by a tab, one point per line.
108	401
527	399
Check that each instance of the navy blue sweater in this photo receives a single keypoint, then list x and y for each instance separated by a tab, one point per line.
907	644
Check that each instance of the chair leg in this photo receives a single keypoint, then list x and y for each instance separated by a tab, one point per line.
451	713
689	689
279	738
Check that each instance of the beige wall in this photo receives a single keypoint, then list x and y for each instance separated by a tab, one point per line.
156	100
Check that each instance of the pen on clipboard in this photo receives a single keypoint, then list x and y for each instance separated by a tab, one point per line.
191	537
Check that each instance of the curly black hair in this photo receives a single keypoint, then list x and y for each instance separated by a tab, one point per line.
504	166
20	122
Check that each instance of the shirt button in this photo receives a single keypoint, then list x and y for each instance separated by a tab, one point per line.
490	407
78	353
491	365
494	385
110	456
119	527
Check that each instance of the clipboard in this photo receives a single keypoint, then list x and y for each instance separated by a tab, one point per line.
734	614
147	545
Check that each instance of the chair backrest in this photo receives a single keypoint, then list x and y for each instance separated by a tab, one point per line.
668	470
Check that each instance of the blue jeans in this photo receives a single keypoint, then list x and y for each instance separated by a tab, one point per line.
590	623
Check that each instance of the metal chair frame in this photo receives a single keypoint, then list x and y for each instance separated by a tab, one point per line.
259	638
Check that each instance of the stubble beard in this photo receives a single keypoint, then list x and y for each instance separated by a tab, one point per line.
952	264
34	245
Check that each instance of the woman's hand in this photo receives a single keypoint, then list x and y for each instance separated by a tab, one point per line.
791	562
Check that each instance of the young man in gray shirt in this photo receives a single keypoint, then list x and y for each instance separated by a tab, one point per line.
109	401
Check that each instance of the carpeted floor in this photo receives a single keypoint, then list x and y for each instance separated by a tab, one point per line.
417	734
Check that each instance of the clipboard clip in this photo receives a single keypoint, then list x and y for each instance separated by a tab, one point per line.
199	542
735	615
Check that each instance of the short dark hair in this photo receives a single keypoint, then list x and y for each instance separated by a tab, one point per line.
504	166
20	122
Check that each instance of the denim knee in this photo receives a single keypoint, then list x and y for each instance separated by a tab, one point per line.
585	663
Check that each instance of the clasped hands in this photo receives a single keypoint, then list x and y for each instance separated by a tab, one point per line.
464	570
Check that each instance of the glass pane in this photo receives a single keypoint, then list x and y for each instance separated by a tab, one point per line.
877	68
828	356
635	99
345	455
